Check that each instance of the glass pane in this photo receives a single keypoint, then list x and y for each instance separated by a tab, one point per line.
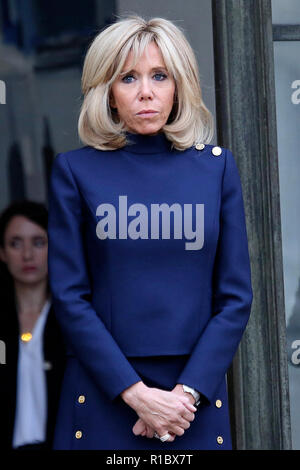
286	11
287	80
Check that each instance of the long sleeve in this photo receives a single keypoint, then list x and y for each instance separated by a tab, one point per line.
232	293
85	332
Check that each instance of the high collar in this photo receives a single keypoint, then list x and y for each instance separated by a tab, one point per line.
150	144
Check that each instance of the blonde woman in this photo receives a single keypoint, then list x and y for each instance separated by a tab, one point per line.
148	254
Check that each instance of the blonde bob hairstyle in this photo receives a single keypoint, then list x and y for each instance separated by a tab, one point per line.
99	125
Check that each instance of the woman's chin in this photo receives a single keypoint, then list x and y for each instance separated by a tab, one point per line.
146	130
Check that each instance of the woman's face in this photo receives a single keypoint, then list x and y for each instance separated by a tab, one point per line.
25	250
144	96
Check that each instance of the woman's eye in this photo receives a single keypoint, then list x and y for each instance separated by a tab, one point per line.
128	79
15	243
160	76
40	242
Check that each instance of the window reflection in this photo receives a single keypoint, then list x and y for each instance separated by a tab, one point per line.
287	81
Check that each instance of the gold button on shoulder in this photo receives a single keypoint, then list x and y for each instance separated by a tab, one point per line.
81	399
218	403
216	151
78	434
200	146
220	440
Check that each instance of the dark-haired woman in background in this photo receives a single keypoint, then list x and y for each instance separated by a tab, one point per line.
34	363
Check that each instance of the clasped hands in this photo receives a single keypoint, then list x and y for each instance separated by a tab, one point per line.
159	410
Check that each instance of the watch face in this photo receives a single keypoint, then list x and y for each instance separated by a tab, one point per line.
193	392
189	390
186	388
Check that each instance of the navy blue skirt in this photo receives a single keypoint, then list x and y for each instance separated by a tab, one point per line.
102	424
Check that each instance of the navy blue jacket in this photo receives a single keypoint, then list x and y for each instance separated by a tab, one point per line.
148	255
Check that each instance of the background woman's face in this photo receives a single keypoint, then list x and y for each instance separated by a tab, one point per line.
144	96
25	250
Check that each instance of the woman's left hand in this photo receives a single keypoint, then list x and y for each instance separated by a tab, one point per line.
141	428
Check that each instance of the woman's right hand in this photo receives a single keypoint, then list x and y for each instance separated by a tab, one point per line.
162	410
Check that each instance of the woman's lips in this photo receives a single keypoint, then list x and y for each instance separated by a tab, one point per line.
147	113
29	269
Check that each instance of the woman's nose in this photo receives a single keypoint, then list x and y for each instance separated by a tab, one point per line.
145	91
27	251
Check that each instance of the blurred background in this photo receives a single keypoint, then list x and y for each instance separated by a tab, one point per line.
42	50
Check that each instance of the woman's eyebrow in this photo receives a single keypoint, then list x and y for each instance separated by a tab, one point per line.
20	237
153	69
160	67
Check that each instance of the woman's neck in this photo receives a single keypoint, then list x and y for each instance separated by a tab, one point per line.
147	144
30	298
29	301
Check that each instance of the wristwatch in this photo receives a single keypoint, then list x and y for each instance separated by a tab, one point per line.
193	392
